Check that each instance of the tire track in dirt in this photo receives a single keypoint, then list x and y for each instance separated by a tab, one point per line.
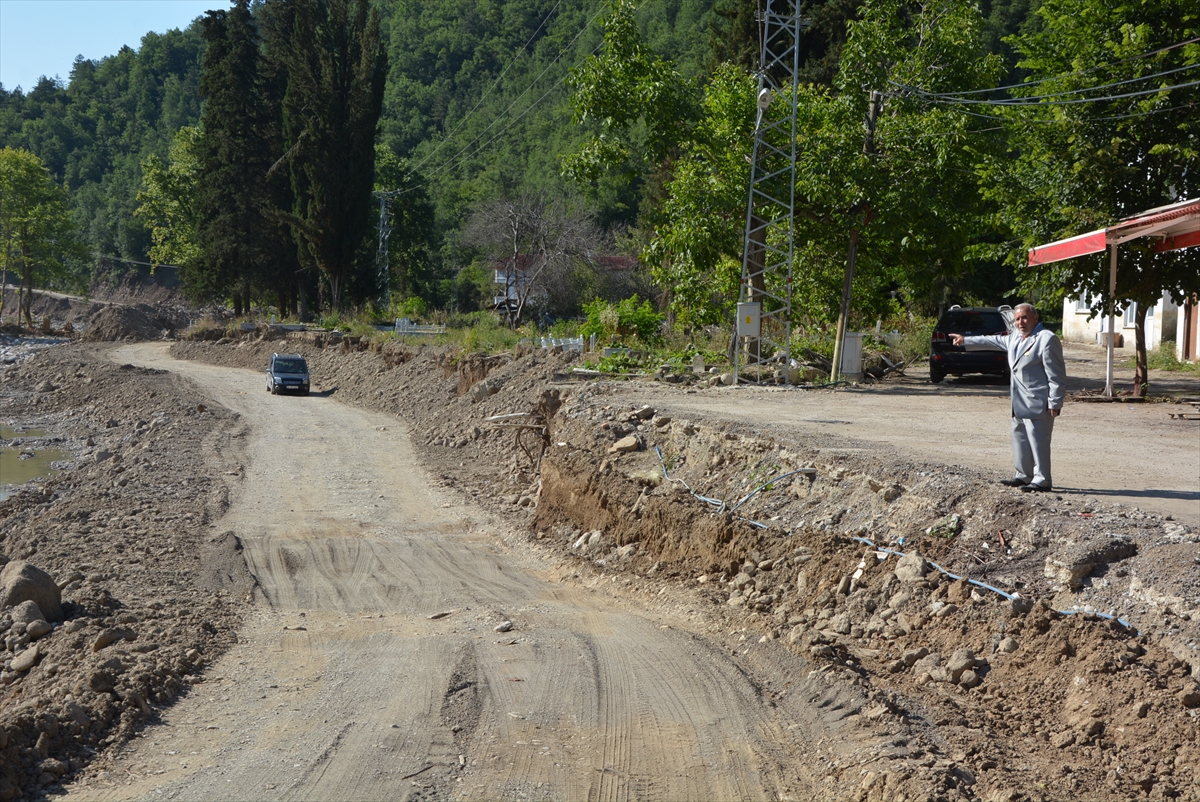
344	687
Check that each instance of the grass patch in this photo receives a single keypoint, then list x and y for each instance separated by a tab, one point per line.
1163	358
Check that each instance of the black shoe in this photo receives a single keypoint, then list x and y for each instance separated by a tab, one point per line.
1032	488
1014	482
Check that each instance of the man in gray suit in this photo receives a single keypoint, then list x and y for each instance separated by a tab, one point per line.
1037	370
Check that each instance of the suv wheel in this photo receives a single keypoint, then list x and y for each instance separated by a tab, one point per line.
936	376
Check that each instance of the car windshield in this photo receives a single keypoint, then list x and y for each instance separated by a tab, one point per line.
284	365
973	323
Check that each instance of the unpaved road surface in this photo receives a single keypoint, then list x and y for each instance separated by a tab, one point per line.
347	684
1133	454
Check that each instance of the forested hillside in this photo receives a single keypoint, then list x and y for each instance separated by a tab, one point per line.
555	144
94	133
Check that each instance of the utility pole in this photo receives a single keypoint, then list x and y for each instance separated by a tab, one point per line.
864	208
765	298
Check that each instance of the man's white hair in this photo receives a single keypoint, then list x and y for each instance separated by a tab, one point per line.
1025	306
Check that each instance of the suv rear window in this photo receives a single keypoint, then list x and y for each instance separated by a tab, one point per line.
973	323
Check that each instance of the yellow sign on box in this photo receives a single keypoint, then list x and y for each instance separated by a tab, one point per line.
749	319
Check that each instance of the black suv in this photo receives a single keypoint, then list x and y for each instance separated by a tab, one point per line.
287	373
945	358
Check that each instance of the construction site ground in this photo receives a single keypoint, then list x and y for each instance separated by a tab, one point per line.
379	591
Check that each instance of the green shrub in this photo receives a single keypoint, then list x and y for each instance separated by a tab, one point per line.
624	321
412	308
565	328
489	335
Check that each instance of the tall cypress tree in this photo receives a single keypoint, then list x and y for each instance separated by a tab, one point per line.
234	156
336	67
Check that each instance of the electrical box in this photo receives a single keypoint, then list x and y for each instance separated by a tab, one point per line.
749	319
852	361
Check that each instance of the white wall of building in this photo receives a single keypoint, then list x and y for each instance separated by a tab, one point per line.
1160	320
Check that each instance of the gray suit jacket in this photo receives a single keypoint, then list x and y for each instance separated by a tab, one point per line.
1036	367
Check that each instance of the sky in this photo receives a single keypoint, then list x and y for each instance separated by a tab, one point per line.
43	37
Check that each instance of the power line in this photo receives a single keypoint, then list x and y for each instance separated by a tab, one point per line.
950	101
1079	72
512	60
1073	121
454	159
1037	99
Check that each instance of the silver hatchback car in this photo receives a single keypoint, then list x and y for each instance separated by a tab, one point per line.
287	373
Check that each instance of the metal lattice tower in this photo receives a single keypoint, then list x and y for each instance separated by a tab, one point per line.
382	271
770	211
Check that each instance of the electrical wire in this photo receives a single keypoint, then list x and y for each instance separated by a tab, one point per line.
454	160
1071	121
1039	102
1080	72
957	96
512	60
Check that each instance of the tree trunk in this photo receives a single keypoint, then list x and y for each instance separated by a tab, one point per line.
302	301
1141	377
335	292
26	297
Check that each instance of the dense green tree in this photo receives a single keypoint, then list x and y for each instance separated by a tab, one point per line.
1105	131
166	201
336	67
910	192
911	195
232	159
626	86
698	238
95	132
36	235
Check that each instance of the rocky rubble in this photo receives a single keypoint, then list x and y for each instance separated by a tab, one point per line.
109	602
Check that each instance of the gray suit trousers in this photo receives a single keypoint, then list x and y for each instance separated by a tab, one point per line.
1031	449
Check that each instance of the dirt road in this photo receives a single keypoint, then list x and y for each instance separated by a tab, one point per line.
372	668
964	422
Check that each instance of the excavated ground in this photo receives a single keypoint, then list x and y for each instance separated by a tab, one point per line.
966	693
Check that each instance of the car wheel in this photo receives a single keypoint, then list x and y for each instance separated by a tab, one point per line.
936	376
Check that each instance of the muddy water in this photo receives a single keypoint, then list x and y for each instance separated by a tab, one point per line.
23	463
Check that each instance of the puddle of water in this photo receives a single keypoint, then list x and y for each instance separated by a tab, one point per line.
16	471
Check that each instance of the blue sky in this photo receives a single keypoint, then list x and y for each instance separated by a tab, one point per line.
43	37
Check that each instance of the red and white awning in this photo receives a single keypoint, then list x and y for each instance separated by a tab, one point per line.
1176	226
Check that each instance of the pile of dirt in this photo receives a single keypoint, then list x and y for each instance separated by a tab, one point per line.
147	600
114	323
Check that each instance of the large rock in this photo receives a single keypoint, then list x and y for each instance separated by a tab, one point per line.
625	445
912	567
1071	566
961	661
27	612
26	659
20	581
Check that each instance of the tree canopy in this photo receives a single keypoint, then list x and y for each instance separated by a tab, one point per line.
36	235
1106	127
